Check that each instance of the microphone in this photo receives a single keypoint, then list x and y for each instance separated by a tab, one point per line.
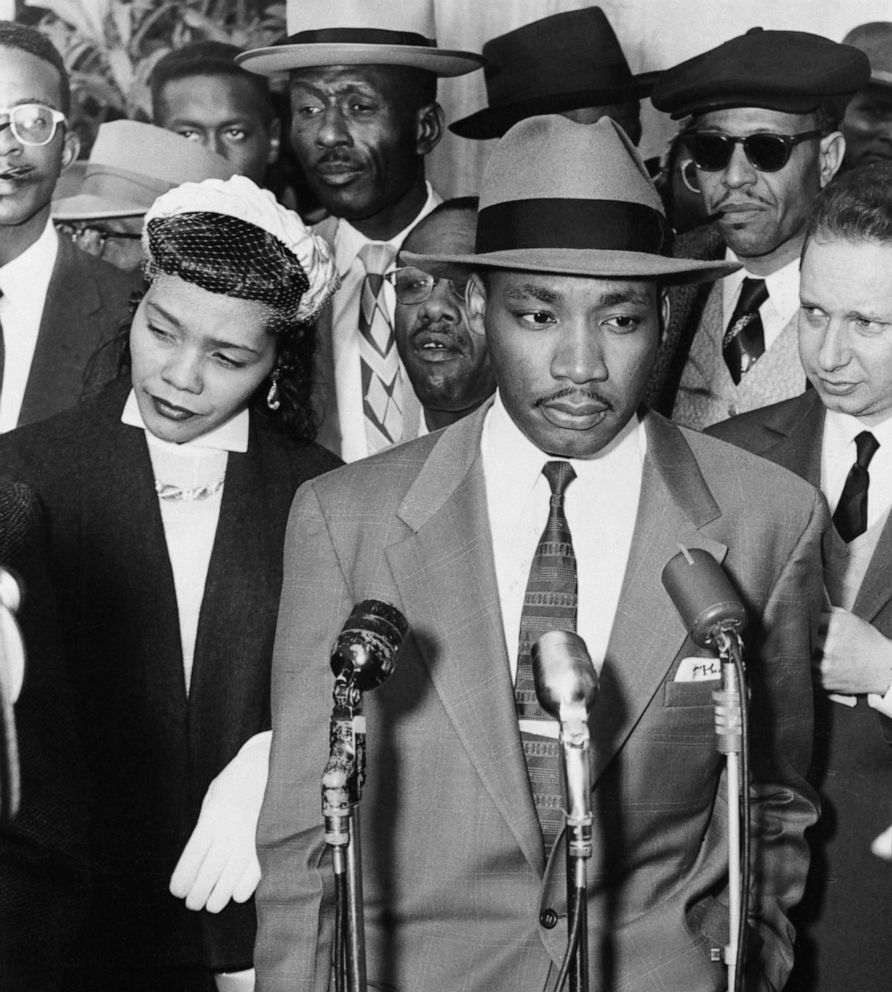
565	678
364	654
566	687
703	595
19	516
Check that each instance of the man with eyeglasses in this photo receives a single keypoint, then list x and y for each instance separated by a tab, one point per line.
764	135
57	305
446	360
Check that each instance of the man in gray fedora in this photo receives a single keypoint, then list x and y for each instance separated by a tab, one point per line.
555	505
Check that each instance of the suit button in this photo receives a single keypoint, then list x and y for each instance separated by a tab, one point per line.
548	918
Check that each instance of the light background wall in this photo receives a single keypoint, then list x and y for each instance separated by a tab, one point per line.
655	34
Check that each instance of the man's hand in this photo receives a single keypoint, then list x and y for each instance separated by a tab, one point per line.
219	862
854	656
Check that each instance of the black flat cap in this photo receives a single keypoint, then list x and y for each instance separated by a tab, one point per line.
789	71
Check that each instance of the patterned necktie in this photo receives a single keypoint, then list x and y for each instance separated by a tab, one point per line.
744	341
850	516
548	604
382	376
2	351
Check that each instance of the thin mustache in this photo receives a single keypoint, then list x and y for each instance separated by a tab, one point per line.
569	392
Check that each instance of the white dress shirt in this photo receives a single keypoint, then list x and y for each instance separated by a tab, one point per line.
783	296
24	282
601	504
190	526
838	453
347	243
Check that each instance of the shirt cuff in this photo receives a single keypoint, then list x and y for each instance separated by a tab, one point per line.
881	703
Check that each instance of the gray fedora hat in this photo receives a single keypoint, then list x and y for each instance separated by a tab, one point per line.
574	199
130	165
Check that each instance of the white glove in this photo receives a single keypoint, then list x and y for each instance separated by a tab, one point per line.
219	862
882	845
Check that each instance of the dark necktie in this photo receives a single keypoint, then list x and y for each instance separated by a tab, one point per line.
2	351
850	516
744	340
549	603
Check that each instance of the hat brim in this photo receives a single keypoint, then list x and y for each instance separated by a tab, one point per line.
84	206
493	122
284	58
591	262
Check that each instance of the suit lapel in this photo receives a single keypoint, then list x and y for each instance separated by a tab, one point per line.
450	549
65	339
647	632
795	432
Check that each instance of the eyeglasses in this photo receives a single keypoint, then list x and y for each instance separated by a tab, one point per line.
766	151
413	286
32	123
93	239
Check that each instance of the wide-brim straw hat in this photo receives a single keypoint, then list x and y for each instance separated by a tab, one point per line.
359	32
573	199
563	62
131	164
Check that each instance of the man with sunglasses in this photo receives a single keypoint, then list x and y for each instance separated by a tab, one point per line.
447	361
764	135
57	305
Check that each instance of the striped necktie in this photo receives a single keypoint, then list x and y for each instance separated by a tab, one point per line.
382	376
548	604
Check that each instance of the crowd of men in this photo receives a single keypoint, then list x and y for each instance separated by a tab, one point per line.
719	389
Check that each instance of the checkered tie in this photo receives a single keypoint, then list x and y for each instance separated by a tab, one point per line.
744	341
548	604
382	375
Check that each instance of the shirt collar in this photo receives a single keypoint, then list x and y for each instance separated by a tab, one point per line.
19	276
782	285
229	436
521	462
841	429
348	241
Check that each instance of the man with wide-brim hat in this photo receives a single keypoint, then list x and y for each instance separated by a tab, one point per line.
554	506
867	124
131	164
569	63
764	133
364	107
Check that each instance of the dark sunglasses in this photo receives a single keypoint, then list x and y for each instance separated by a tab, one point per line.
766	151
413	286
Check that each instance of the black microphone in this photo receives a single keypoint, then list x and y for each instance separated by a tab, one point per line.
703	595
565	678
364	654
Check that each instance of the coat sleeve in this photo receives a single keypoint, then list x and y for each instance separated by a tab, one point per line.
295	896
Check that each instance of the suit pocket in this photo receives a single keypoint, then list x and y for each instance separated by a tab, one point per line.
690	693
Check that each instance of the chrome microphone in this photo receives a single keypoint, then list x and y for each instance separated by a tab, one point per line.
704	597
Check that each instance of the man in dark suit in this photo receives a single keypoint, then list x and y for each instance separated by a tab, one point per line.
839	436
57	305
464	875
765	138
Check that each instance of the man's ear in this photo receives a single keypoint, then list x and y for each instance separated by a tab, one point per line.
275	140
430	122
475	303
71	147
833	148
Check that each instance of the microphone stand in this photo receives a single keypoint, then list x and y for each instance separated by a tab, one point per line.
575	746
730	728
342	781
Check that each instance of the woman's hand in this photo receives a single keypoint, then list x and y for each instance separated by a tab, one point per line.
219	862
